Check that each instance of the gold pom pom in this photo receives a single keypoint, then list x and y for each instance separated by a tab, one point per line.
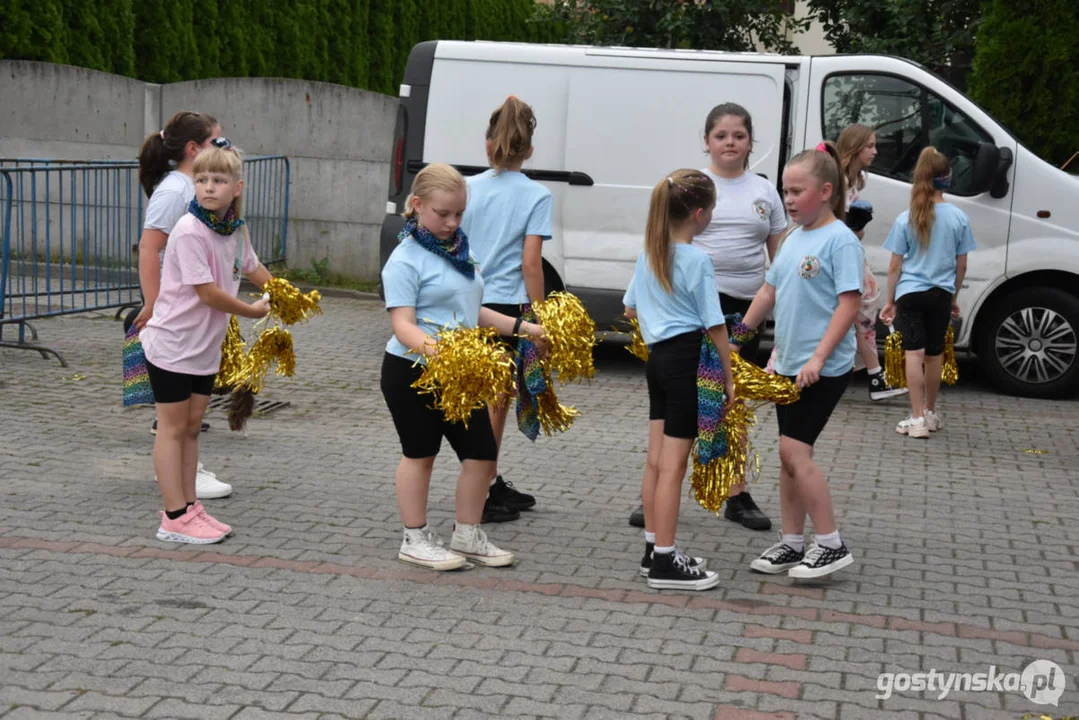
572	335
950	373
554	416
710	485
288	304
233	351
895	364
470	370
636	346
753	383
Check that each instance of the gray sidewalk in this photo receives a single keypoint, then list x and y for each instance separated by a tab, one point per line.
966	545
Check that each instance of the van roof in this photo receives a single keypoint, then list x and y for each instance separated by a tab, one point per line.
525	52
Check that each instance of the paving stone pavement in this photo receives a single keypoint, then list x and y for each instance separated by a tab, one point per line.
967	549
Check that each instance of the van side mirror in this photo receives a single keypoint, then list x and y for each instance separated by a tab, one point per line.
986	161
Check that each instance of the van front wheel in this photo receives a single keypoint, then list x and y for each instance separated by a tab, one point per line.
1030	343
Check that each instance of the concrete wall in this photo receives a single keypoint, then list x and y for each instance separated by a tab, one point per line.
337	140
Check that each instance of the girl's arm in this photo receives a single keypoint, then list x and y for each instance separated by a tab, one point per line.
762	304
720	339
895	267
772	243
151	244
960	275
259	276
631	313
843	317
408	333
210	294
532	267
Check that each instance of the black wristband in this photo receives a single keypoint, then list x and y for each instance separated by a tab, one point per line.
517	325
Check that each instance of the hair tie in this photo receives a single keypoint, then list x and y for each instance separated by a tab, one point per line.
670	182
821	147
161	133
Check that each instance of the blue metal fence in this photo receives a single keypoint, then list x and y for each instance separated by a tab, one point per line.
71	231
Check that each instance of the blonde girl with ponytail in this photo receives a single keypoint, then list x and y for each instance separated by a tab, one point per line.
673	296
929	245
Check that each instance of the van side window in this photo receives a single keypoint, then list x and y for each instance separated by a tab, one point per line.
907	118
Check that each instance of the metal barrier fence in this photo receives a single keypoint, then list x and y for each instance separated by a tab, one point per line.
71	231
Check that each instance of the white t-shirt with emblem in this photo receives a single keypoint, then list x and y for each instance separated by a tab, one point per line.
748	210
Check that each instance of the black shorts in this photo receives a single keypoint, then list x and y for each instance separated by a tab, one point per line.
804	420
514	311
421	427
731	305
172	387
923	319
672	384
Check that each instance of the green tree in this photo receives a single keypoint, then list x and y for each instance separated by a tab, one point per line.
165	47
937	33
119	35
206	29
698	24
1026	72
85	37
34	30
236	38
381	51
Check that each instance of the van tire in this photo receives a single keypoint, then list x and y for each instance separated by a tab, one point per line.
1011	348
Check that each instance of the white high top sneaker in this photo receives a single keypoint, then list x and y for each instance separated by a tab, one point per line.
422	547
471	541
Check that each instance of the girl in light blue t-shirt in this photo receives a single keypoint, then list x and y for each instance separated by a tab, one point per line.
815	286
929	245
507	220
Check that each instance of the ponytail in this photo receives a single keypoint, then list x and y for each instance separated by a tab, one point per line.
932	164
164	150
510	133
822	162
674	199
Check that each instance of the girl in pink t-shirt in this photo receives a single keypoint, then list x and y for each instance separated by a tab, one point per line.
208	250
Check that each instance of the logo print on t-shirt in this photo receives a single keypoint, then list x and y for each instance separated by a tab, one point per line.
760	207
809	268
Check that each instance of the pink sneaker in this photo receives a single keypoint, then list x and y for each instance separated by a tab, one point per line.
211	520
188	528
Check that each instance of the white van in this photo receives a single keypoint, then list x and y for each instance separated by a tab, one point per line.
613	121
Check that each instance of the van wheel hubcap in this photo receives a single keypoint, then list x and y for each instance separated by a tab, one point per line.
1036	345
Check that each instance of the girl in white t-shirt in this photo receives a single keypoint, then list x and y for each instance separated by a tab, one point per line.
165	162
743	236
182	340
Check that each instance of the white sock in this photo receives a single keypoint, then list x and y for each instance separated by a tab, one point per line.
649	537
798	542
873	371
664	550
830	541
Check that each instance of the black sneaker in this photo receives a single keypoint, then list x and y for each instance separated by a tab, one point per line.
741	509
778	559
821	561
503	493
879	389
153	427
673	571
646	563
494	512
636	518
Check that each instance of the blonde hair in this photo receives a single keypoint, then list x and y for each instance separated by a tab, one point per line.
674	199
852	141
437	176
510	133
223	161
932	164
824	166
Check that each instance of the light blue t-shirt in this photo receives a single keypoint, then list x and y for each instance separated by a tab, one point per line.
502	209
416	277
933	267
810	271
693	304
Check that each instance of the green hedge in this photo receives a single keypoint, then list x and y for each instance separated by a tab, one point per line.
1026	72
362	43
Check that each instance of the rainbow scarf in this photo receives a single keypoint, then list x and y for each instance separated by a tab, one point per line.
711	397
222	226
531	382
136	378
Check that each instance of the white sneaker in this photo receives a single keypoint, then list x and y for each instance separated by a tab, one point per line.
208	487
913	427
422	547
471	541
932	420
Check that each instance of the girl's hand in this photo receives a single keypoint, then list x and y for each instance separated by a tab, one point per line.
143	317
728	388
810	372
537	335
955	308
260	308
887	314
